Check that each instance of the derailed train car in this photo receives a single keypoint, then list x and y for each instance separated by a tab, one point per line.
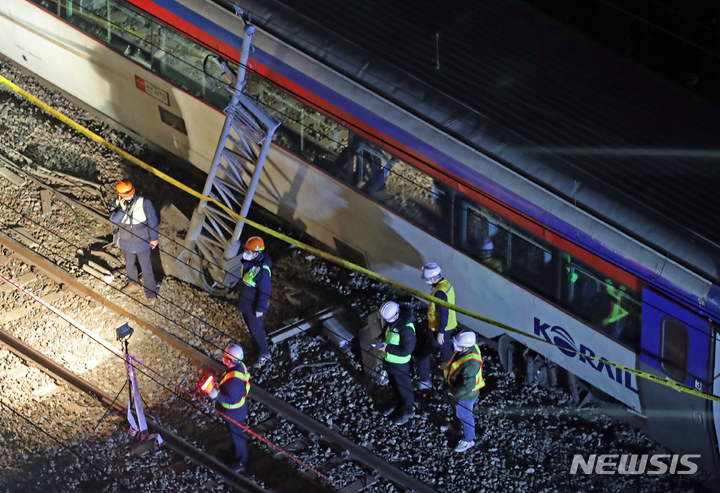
391	174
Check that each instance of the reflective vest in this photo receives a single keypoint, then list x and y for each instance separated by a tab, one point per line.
249	276
136	215
616	311
451	368
242	375
392	338
434	312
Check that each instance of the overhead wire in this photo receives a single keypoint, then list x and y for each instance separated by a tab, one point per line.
357	268
584	170
340	336
142	369
62	445
630	197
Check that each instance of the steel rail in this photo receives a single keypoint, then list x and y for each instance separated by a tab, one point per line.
333	438
174	442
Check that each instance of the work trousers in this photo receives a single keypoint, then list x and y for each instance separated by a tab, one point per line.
428	349
257	332
464	413
148	276
401	386
237	434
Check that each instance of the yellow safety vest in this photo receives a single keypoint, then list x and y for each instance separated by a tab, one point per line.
136	215
434	311
242	375
392	338
449	369
249	276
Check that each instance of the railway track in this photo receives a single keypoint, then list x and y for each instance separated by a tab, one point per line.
345	451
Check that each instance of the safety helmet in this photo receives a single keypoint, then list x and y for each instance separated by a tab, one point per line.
233	353
465	339
430	270
389	311
486	249
125	189
254	244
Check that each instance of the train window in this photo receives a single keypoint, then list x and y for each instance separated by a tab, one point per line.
364	165
483	235
139	37
605	303
506	248
674	348
532	263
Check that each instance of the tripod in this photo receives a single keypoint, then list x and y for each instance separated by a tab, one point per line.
129	383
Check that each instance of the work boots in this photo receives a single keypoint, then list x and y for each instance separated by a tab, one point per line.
131	288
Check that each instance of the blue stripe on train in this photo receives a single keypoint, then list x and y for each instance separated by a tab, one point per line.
424	149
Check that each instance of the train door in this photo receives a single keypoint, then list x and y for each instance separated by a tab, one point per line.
677	345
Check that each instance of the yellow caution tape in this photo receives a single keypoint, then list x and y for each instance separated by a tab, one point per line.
336	260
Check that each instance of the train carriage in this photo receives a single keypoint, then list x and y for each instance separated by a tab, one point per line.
391	173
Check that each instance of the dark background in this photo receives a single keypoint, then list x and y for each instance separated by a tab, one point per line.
678	39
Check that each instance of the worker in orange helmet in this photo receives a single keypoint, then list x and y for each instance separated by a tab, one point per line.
255	293
137	235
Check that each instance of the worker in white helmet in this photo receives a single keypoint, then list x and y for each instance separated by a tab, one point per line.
398	344
231	402
463	376
441	323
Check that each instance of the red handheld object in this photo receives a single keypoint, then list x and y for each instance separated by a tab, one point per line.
207	385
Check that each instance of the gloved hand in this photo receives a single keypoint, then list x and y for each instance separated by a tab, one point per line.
440	338
213	393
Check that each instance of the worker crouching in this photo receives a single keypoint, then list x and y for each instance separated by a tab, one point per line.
399	343
231	402
463	376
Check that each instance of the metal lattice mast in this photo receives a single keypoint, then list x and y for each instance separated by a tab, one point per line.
242	148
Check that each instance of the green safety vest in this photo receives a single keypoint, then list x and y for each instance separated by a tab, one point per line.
617	312
249	277
136	215
450	368
434	311
242	375
392	338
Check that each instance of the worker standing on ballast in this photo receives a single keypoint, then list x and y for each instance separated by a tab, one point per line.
399	343
137	235
231	402
255	293
440	326
463	377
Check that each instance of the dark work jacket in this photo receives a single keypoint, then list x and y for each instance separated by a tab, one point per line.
255	299
230	393
407	335
443	311
135	237
463	380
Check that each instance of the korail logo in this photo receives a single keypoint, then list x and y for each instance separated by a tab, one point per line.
635	464
567	346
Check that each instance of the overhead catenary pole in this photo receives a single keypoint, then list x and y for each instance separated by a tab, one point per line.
242	148
239	83
234	246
